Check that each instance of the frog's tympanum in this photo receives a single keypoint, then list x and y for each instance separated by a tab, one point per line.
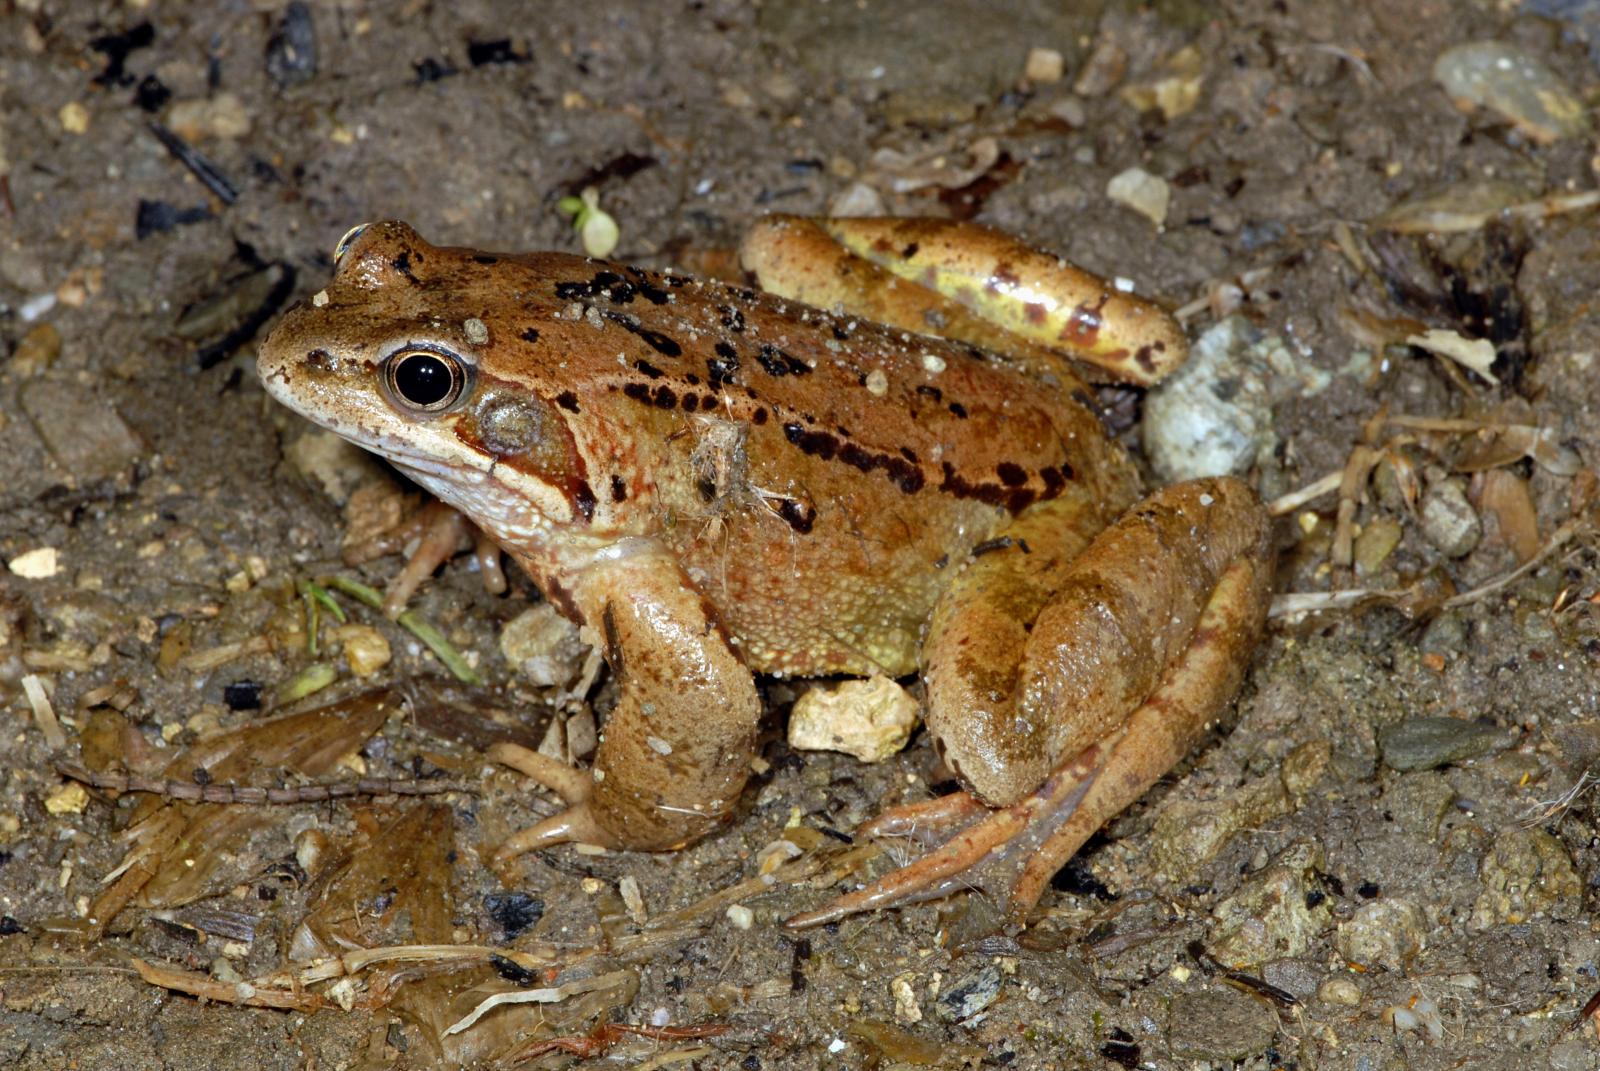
722	482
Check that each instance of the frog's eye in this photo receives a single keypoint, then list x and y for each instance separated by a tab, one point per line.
348	240
424	381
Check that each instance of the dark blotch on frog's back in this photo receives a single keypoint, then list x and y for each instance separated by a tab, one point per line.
609	286
583	499
662	344
1013	497
724	366
568	401
821	444
776	363
798	515
619	489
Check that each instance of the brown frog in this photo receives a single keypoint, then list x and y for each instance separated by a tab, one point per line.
722	482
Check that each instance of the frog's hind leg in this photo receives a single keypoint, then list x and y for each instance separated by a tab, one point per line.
1142	639
964	281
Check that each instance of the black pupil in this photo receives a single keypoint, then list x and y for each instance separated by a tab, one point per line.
423	379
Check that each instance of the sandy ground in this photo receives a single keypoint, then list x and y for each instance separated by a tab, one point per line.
1368	842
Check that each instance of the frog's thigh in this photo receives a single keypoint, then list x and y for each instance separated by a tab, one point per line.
675	751
1110	625
979	632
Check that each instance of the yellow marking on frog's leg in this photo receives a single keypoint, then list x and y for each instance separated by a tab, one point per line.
967	282
675	752
1174	653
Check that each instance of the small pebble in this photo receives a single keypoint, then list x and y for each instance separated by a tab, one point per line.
364	648
1383	933
857	199
1515	83
38	564
1044	65
543	646
870	719
1147	194
1448	520
292	48
74	117
223	116
741	917
70	798
36	352
1340	989
633	899
969	994
906	1008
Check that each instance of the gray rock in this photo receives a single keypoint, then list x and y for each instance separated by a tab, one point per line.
1448	520
1267	918
1418	802
1426	743
1445	634
1220	1025
82	432
969	994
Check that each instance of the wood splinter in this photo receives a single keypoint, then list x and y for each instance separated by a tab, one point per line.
229	793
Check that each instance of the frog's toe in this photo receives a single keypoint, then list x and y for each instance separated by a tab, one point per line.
575	787
573	824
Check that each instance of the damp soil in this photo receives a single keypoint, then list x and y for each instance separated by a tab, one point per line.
1376	860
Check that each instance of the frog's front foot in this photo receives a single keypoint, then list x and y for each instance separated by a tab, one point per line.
1139	642
575	787
675	751
439	532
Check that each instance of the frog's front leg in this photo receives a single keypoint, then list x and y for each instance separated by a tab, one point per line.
676	750
1062	717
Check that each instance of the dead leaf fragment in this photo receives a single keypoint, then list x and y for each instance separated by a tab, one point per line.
1474	353
1504	496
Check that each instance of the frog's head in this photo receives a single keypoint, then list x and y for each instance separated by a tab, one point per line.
397	355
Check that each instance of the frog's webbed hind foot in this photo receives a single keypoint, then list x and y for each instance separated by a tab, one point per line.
575	787
440	532
997	851
1010	853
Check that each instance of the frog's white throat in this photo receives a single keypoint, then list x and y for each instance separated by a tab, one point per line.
491	499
